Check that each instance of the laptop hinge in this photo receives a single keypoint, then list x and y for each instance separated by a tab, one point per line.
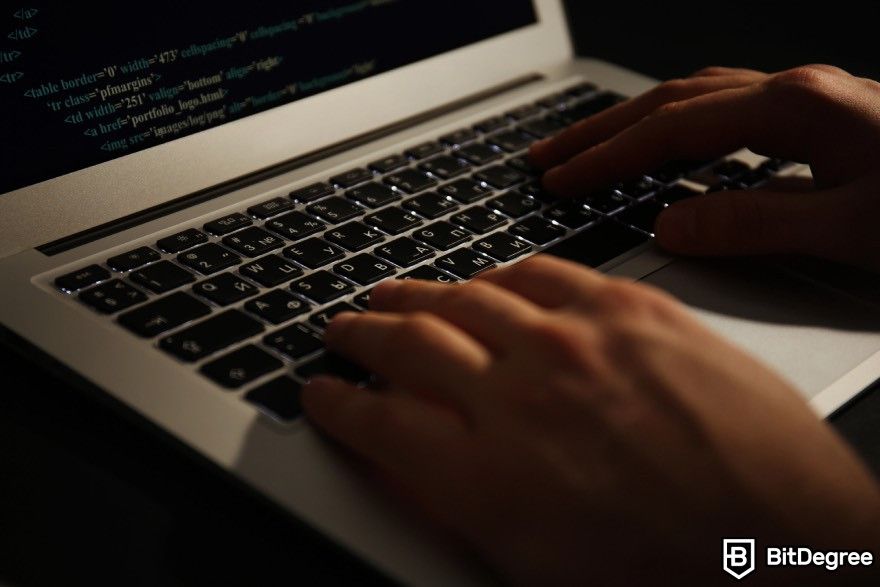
92	234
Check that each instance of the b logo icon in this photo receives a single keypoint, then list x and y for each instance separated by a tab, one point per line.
739	556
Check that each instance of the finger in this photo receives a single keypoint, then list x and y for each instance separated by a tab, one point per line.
490	314
419	352
596	129
704	127
397	432
547	281
717	71
744	223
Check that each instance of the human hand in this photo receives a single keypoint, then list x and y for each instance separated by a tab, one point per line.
572	427
816	114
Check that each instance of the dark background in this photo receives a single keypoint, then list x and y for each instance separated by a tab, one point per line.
87	497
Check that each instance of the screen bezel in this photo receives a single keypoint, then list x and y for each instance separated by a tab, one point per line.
77	201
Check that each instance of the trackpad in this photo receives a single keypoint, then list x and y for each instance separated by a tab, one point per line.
810	334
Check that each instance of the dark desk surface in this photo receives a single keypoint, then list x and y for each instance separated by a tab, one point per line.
87	497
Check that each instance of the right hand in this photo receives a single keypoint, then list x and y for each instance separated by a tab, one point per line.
815	114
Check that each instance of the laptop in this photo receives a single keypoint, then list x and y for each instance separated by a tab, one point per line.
187	201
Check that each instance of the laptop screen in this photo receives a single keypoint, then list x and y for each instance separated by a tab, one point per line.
80	85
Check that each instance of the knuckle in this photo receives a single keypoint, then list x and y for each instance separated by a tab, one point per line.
671	89
559	338
710	71
418	326
627	297
669	109
807	80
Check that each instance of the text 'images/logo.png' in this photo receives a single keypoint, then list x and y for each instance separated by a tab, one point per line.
739	556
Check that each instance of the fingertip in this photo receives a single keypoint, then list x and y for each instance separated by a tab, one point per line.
339	325
383	295
322	395
539	153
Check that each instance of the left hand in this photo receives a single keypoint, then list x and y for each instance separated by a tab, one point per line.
571	426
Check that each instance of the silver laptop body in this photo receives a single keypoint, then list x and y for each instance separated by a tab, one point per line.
821	336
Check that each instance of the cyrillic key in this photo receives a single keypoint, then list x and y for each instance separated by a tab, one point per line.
537	230
321	286
364	269
410	180
312	192
253	241
442	235
112	297
500	176
478	219
295	341
215	333
133	259
277	306
270	270
465	190
373	195
162	276
428	273
393	220
241	366
208	259
502	246
354	236
464	263
164	314
404	252
323	318
314	253
335	209
295	225
225	289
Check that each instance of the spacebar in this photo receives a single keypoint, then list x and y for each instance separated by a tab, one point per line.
599	244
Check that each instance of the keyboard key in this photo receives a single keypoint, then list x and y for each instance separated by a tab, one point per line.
512	140
354	236
606	201
364	269
113	296
182	240
446	166
754	178
335	209
277	306
639	188
210	336
321	287
731	169
556	100
313	192
674	170
272	207
253	241
478	153
478	219
676	193
225	289
410	181
278	399
514	204
459	137
335	366
442	235
373	195
589	107
424	150
362	300
133	259
431	205
537	230
270	270
465	190
314	253
389	163
491	124
241	366
294	342
428	273
163	314
581	89
162	276
393	220
524	111
227	224
295	225
502	246
464	263
543	127
571	214
598	245
322	319
500	176
404	252
352	177
535	190
82	278
522	165
208	259
642	216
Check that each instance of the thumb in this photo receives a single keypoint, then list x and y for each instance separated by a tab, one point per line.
749	222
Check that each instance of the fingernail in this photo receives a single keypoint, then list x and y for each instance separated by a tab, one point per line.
676	226
540	144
